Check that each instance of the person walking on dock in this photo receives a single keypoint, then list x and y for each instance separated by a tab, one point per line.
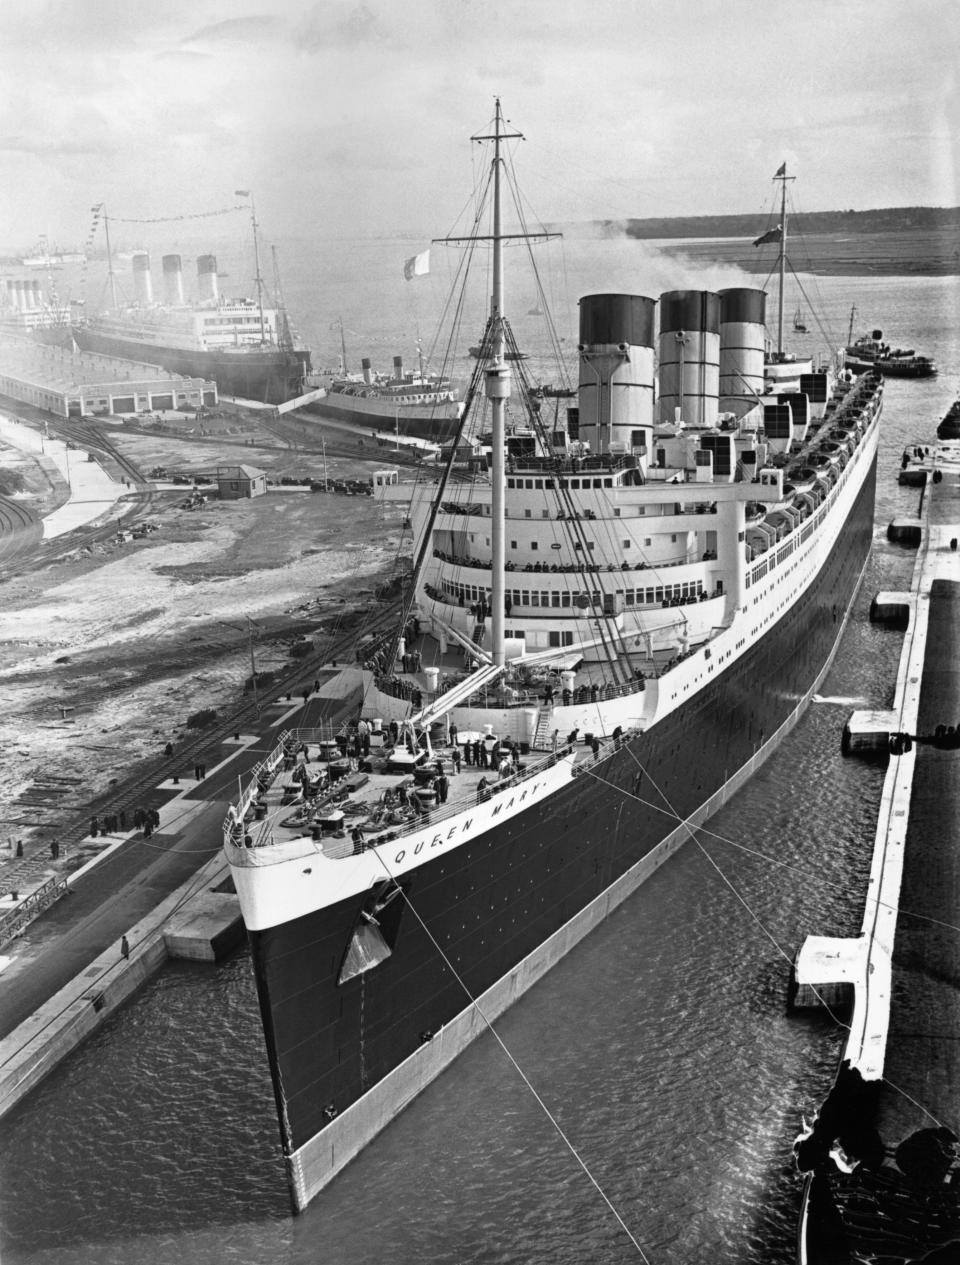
125	947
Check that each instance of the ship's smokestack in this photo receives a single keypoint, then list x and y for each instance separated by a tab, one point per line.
398	368
142	284
365	366
689	356
207	278
742	332
12	293
36	297
616	371
172	281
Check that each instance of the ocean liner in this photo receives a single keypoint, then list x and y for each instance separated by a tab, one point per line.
610	630
247	348
408	402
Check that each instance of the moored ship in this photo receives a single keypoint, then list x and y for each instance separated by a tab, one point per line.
248	348
416	403
618	627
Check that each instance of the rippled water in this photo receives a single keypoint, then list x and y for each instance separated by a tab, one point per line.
661	1045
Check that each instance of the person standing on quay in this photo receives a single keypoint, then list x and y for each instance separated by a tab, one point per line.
125	947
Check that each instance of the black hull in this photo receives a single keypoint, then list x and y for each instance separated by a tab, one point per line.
416	425
492	902
272	376
891	369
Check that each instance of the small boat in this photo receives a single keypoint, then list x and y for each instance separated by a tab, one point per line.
870	352
798	322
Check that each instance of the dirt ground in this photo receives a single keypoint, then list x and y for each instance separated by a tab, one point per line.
103	656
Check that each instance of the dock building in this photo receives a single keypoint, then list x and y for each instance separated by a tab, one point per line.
70	383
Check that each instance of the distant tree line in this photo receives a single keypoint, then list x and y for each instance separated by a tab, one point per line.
891	219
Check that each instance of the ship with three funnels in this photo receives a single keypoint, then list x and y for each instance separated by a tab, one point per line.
248	348
619	627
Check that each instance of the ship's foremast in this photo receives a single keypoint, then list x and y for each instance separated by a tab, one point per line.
782	259
497	388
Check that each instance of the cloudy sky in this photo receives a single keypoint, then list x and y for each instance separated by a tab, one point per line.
350	118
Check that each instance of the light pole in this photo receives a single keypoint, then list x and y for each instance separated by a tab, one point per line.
251	624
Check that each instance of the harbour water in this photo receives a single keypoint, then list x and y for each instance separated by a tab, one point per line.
662	1045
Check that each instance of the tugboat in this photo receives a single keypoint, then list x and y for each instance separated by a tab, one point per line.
608	628
871	353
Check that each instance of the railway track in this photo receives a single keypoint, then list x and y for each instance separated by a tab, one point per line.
20	529
140	500
132	793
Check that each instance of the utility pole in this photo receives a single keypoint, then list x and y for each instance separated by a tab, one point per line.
253	666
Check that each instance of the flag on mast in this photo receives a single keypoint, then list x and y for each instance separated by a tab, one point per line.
417	265
781	170
774	235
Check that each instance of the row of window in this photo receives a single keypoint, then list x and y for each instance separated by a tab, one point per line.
564	599
550	484
217	322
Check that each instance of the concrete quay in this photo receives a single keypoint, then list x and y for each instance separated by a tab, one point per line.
136	904
927	695
883	1154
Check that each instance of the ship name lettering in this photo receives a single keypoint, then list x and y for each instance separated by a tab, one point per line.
419	848
399	857
436	841
467	824
452	831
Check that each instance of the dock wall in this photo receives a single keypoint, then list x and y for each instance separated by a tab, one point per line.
41	1042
